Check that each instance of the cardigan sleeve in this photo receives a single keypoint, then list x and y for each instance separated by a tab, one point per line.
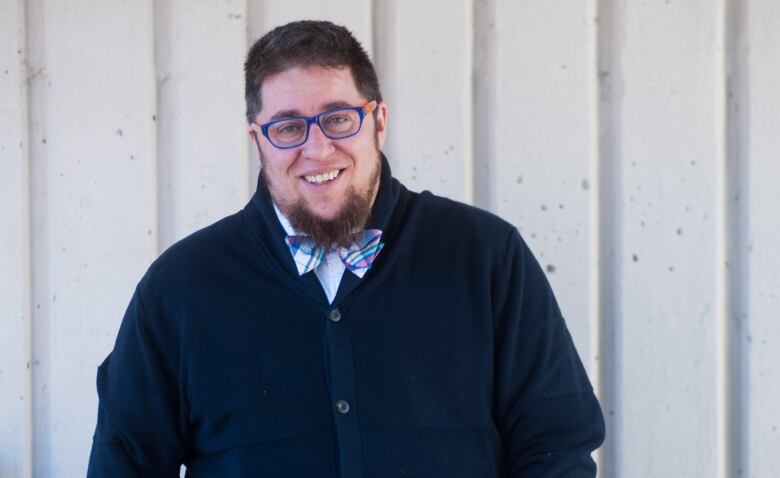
140	426
546	412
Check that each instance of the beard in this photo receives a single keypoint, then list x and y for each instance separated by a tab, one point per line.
338	231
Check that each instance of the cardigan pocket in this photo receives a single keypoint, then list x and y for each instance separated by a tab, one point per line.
260	400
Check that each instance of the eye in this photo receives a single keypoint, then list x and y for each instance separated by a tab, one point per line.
338	119
288	129
339	123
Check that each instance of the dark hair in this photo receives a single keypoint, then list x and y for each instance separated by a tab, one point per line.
303	44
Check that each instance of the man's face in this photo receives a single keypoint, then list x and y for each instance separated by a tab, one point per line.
307	92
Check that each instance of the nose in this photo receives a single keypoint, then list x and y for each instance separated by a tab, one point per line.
318	146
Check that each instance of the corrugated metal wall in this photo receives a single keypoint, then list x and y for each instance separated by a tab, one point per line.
634	144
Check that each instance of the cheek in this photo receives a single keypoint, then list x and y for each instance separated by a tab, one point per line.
278	165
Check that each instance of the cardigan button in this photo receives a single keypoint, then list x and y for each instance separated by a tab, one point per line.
342	406
334	315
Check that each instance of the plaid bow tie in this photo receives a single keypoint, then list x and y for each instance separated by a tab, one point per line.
357	258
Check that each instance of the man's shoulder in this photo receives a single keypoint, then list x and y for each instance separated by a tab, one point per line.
203	253
439	215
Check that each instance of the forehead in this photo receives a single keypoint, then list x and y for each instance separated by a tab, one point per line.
306	89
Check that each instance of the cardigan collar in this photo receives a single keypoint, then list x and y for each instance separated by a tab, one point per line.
265	225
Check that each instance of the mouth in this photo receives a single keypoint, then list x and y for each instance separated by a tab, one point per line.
323	178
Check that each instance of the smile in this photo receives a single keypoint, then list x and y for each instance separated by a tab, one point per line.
322	178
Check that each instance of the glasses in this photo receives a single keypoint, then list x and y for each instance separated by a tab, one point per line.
338	123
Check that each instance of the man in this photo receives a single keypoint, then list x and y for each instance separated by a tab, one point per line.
340	325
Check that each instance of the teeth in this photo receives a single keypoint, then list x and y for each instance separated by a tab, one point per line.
321	178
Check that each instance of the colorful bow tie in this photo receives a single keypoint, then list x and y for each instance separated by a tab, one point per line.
357	258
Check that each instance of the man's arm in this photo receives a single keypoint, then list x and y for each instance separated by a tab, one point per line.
141	425
547	414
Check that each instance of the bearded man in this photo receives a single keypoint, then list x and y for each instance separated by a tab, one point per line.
341	325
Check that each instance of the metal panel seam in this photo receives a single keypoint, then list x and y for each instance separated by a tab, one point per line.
26	233
732	229
609	190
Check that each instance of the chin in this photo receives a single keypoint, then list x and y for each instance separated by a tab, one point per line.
325	213
329	214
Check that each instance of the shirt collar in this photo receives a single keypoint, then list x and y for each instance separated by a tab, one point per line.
288	228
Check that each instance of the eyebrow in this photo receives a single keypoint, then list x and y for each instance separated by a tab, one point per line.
284	114
328	106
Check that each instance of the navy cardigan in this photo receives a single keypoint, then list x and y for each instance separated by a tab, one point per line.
450	358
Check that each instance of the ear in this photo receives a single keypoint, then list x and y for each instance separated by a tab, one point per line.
381	124
253	138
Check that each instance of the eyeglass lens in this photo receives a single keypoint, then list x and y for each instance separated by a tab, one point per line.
335	125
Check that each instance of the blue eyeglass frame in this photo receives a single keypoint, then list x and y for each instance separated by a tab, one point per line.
362	111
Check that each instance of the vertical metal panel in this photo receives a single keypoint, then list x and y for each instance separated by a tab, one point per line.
671	119
201	133
15	320
545	144
353	14
424	58
763	260
93	202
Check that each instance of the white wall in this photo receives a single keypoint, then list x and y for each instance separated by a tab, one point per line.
632	142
